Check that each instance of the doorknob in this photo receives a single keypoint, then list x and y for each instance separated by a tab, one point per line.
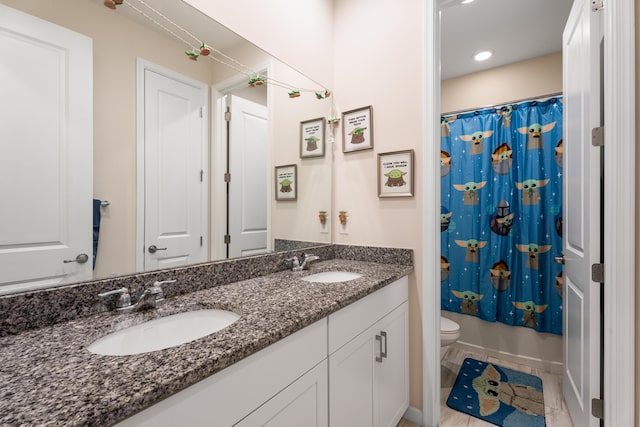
559	259
153	249
80	259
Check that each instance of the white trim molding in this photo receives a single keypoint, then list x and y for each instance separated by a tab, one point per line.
431	223
619	212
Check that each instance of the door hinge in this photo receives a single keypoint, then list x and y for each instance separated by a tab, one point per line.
227	239
201	112
201	241
597	408
597	5
227	177
597	273
227	116
597	136
201	175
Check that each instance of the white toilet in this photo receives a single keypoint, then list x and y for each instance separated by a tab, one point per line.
449	332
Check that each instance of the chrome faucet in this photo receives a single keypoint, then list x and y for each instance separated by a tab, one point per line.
302	262
150	297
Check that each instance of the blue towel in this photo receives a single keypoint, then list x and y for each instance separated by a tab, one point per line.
96	228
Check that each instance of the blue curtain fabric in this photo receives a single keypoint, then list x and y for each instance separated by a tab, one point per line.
501	214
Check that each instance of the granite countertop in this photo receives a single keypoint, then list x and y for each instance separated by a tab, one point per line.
48	377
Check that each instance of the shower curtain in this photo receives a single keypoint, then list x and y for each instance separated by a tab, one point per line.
501	214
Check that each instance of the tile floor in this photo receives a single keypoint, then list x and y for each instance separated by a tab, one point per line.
556	413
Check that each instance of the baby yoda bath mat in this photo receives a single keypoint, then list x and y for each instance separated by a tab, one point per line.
498	395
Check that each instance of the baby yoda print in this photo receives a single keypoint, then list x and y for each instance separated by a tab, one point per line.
533	250
472	246
469	303
476	139
501	159
500	276
492	392
530	193
285	186
312	143
444	268
529	318
502	220
394	178
357	135
558	156
505	112
445	130
445	218
445	163
534	132
470	192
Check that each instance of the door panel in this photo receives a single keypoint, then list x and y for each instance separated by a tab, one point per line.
248	159
175	142
582	208
46	153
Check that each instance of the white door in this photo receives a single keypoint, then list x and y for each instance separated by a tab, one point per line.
46	153
175	159
582	222
248	161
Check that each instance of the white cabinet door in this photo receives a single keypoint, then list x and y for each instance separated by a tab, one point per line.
351	383
369	376
303	403
391	392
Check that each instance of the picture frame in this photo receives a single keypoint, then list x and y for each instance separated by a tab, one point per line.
357	129
396	174
286	182
312	138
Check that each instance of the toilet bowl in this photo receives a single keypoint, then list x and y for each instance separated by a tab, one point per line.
449	331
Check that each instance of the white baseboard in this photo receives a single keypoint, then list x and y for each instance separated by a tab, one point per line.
414	415
544	365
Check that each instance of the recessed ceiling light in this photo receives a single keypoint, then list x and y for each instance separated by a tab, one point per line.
482	55
466	1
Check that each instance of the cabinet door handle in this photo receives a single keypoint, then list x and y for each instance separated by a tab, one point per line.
379	358
383	353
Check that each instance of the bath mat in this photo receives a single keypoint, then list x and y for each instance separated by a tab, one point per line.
498	395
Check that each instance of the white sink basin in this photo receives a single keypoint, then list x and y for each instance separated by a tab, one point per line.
331	277
162	333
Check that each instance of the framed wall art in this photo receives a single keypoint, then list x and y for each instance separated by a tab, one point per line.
357	129
286	179
396	174
312	138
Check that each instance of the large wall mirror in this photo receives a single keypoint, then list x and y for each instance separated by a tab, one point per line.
141	129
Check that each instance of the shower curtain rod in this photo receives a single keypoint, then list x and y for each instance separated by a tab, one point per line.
533	98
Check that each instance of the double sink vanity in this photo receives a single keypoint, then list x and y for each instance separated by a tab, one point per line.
239	342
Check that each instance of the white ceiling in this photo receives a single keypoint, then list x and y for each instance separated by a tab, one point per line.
514	30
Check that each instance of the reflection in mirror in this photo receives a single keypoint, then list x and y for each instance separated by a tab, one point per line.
160	156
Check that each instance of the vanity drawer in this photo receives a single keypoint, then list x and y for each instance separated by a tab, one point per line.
346	324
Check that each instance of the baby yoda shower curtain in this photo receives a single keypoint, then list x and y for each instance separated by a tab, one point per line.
501	214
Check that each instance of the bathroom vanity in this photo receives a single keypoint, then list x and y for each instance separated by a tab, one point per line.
301	354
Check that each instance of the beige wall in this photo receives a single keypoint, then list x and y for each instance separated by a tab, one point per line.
299	33
530	78
377	62
533	77
117	42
